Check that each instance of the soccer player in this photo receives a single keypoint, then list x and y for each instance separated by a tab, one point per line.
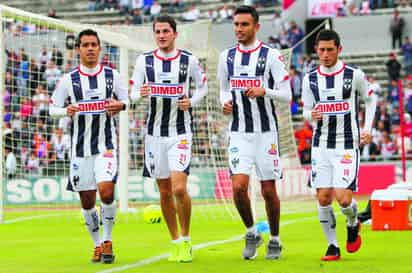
252	75
163	75
91	95
330	96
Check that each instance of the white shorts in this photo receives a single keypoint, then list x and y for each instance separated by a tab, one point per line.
87	172
259	149
335	168
165	154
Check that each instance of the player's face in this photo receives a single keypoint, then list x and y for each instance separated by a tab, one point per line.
165	36
245	28
328	52
89	50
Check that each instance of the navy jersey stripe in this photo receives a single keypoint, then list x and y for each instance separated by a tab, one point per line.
149	60
150	124
81	122
95	134
347	122
166	66
235	114
108	125
313	83
245	58
264	118
332	123
183	67
230	61
92	82
247	112
330	81
261	63
164	125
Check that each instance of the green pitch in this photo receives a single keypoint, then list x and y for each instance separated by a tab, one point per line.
56	241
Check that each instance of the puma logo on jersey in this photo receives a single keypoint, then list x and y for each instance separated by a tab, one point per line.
333	107
92	106
243	83
166	90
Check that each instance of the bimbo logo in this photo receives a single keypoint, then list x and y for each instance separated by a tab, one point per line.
243	83
92	106
167	90
333	107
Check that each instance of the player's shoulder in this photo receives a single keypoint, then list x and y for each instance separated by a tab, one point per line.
225	51
357	72
147	53
185	52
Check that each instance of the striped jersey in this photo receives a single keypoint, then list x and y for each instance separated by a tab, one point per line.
336	95
169	80
238	69
92	130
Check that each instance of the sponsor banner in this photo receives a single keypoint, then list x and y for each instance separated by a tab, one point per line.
333	107
44	190
92	106
287	3
166	90
323	8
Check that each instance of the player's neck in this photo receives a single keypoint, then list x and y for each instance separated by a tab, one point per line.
167	52
332	68
90	68
253	43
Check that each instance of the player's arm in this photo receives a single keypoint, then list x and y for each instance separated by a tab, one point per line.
370	99
222	75
197	74
59	97
309	112
120	90
139	88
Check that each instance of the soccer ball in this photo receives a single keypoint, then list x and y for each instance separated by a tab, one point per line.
152	214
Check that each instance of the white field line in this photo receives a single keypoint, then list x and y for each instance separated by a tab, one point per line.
28	218
196	247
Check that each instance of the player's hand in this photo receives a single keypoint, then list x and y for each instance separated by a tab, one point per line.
113	107
253	92
316	115
228	108
366	138
184	103
145	90
71	110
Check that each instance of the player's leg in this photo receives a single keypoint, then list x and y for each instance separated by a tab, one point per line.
321	180
82	181
105	169
241	158
179	157
345	182
268	169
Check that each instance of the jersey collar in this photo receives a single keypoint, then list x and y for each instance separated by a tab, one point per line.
249	49
331	71
166	57
90	72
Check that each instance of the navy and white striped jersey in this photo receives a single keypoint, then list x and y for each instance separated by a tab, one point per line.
259	66
335	92
169	78
92	130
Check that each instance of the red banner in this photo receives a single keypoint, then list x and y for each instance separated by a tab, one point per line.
287	3
375	177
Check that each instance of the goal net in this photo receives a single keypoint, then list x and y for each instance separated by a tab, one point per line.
38	50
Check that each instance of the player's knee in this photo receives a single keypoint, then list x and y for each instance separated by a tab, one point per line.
344	203
324	200
107	196
179	192
239	190
269	194
165	194
87	204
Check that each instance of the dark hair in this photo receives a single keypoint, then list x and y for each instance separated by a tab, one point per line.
165	19
247	10
328	35
86	32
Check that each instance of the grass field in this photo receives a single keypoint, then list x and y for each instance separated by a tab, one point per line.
56	241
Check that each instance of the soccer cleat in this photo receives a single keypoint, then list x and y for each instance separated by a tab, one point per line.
107	252
354	241
97	254
185	252
252	242
174	253
332	254
273	250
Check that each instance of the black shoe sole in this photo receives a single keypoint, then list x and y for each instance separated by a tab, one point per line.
107	259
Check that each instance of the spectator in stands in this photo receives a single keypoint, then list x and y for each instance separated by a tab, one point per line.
68	67
106	61
57	56
277	23
395	118
61	144
110	5
137	18
11	163
147	4
52	75
43	58
369	151
387	146
397	25
137	4
382	116
407	56
41	101
393	67
176	6
191	15
403	4
295	84
225	13
34	75
212	15
308	64
23	78
33	164
155	10
124	6
52	13
408	97
26	108
295	34
365	8
303	136
393	93
375	86
92	5
10	82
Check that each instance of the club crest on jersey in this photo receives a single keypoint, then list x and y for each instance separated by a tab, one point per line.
183	69
273	150
92	106
347	84
243	83
333	107
183	145
261	62
166	90
346	159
